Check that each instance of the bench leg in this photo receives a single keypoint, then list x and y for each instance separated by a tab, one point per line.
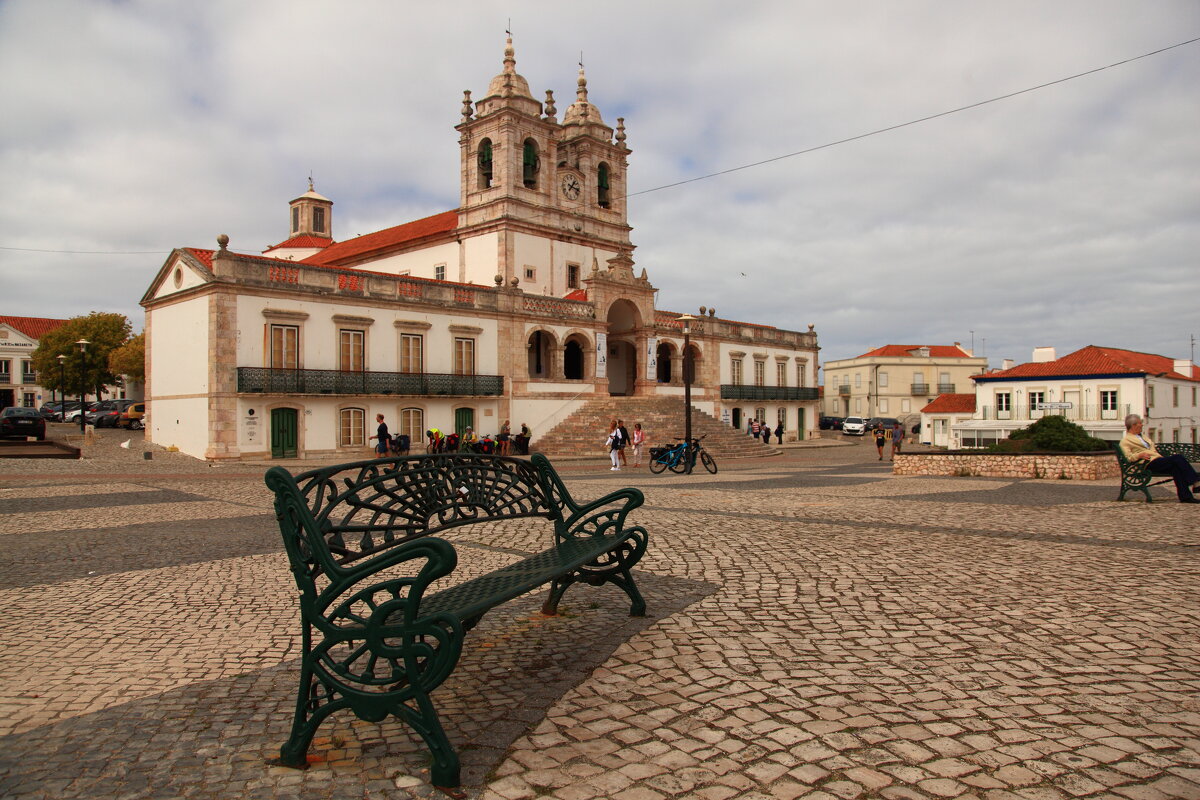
311	710
444	772
622	578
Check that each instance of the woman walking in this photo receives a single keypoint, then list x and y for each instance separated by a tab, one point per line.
639	438
502	439
880	439
613	444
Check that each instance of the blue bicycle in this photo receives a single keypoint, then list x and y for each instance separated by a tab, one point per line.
677	458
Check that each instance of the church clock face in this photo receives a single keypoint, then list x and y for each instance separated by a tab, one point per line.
571	186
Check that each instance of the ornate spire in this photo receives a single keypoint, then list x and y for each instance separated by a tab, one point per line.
581	89
621	133
467	114
550	109
509	83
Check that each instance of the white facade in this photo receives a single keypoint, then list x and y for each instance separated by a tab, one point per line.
1163	391
522	304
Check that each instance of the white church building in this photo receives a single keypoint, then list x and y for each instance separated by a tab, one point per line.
522	304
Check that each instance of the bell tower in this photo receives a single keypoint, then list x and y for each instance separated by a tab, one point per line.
311	215
507	146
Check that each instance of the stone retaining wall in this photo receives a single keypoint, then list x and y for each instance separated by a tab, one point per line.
1073	466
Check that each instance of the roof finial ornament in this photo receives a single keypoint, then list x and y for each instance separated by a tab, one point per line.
310	183
551	111
621	133
581	84
510	60
467	114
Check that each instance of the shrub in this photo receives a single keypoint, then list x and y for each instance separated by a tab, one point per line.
1053	434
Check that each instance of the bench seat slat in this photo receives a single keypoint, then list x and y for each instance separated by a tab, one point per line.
474	597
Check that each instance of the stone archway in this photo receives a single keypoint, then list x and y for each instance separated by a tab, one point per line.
624	321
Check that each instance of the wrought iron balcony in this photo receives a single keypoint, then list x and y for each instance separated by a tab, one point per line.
945	388
332	381
920	388
844	389
731	391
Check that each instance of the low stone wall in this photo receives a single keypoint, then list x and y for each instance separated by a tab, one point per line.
964	463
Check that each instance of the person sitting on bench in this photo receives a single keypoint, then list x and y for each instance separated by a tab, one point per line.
1138	448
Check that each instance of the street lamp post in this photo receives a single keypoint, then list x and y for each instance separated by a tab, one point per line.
687	320
83	343
62	383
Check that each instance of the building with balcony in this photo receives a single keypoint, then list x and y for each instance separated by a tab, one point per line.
1095	387
897	380
521	304
19	337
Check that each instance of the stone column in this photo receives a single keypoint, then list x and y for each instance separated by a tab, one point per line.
557	360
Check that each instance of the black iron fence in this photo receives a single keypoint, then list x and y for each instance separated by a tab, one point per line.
332	381
731	391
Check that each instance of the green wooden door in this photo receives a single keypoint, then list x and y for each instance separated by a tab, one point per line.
463	418
800	427
284	433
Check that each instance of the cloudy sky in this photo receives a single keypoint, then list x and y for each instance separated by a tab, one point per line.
1066	216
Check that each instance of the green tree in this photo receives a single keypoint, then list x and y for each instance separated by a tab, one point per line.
130	359
105	333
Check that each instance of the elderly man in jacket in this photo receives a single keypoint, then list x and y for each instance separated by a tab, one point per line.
1138	448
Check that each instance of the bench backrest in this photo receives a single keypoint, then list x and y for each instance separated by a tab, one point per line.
338	515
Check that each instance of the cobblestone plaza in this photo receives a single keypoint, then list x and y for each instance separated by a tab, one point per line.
817	628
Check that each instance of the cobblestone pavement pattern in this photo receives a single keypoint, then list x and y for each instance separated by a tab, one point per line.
817	629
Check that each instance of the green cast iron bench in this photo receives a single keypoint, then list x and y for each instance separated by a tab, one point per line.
378	635
1134	475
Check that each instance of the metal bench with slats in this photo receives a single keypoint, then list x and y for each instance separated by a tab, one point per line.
360	541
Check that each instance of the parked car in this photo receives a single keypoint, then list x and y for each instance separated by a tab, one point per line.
887	422
72	412
830	423
854	426
19	423
133	417
106	413
110	417
52	411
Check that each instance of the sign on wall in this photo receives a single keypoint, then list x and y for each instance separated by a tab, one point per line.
652	358
601	355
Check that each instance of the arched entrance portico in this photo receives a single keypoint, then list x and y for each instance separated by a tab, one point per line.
623	324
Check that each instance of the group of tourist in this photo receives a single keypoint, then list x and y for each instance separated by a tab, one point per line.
761	428
438	442
620	438
882	434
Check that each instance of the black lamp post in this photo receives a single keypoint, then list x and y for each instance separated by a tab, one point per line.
83	343
687	320
62	383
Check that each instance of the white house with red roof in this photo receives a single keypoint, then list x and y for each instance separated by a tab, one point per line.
897	380
940	416
521	304
18	339
1095	387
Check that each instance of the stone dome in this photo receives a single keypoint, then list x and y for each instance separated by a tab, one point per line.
508	83
581	111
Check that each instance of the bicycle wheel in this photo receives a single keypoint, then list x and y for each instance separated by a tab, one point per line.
657	464
678	463
708	462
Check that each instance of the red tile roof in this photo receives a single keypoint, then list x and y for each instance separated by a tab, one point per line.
206	257
578	294
33	327
950	404
353	249
306	240
904	350
1093	360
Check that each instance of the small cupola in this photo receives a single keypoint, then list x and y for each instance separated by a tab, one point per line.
311	215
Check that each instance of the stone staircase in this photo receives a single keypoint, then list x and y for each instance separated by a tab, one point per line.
584	431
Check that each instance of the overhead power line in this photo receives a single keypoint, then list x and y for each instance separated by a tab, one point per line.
751	165
914	121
